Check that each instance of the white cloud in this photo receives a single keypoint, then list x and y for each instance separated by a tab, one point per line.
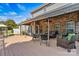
11	13
5	13
21	7
3	17
19	18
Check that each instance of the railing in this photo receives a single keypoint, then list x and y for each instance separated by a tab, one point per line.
2	46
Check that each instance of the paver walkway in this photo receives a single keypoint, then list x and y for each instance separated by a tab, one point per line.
24	46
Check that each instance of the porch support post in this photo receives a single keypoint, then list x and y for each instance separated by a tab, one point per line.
6	31
31	30
34	28
38	29
25	29
20	30
48	31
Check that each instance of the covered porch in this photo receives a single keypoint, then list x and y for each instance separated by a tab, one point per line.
64	24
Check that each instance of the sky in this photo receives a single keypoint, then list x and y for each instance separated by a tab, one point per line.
17	11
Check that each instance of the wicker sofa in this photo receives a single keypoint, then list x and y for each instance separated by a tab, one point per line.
66	44
63	43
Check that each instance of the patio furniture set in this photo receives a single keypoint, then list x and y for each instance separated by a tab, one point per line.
61	41
43	37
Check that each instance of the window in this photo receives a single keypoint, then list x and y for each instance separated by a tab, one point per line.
70	26
77	30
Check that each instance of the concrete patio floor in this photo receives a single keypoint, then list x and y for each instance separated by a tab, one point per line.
19	45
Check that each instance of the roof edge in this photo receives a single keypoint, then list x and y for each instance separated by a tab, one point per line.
45	4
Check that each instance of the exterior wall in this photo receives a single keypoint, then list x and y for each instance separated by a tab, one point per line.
23	28
62	19
43	26
16	31
54	6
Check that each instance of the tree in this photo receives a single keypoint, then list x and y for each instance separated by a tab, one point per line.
11	24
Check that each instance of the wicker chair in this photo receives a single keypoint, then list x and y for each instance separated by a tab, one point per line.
53	34
44	37
35	36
